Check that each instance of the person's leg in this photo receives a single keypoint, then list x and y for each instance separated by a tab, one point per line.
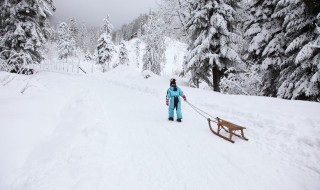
179	113
171	110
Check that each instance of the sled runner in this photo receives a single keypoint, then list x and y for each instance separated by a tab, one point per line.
228	127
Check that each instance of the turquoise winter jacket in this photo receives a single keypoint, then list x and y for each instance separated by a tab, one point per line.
171	93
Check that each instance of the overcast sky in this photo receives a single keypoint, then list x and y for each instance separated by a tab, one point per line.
92	12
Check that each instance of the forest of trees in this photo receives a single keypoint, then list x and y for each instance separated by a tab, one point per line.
236	45
262	47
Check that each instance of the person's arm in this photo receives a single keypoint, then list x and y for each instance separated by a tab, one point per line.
182	95
167	97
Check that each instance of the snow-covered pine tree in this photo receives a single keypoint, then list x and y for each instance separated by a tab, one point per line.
265	43
123	54
74	30
139	32
155	48
66	43
23	31
213	38
105	47
175	14
92	36
137	50
82	43
299	76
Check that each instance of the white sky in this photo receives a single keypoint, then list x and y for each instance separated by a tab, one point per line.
92	12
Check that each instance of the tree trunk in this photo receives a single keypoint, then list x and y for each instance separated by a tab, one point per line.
198	81
216	75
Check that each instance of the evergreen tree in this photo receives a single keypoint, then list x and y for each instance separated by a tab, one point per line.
282	35
74	30
66	43
137	50
105	48
175	14
123	54
299	75
266	44
213	40
82	43
155	45
92	37
23	31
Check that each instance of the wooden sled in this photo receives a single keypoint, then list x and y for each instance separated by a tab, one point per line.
228	127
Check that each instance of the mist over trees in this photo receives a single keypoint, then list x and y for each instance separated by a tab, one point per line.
131	30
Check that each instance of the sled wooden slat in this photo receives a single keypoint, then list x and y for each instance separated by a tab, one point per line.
229	128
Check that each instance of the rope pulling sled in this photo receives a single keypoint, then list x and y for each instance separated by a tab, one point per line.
227	126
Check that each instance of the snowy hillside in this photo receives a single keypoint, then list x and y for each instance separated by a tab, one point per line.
110	131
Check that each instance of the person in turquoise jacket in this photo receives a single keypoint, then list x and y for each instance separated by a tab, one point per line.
173	96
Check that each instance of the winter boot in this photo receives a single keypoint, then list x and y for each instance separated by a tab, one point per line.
170	119
179	120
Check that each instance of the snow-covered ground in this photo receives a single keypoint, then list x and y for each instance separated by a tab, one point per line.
110	131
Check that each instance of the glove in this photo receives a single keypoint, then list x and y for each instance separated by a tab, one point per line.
167	102
184	98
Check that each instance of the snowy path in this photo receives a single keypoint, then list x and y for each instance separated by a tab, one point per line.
113	133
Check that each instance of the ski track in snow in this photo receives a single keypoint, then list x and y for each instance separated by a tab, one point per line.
112	133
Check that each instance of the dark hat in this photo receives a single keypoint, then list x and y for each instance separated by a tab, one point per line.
172	81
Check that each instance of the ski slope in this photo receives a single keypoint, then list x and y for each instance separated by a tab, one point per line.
110	131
